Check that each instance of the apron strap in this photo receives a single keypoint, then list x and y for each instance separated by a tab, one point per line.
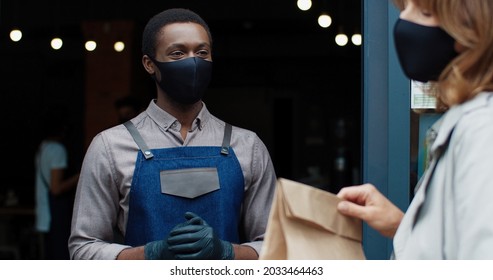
147	152
226	139
138	139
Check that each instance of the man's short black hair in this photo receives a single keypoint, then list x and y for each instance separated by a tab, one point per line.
166	17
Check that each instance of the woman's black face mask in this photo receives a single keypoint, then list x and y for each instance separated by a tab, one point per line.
423	51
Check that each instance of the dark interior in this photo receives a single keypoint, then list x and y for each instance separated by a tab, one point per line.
276	72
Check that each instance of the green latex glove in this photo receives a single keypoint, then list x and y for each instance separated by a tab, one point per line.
197	241
158	250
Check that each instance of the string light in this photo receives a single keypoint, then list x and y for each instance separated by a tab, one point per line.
56	43
341	39
356	39
304	5
119	46
90	45
15	35
324	20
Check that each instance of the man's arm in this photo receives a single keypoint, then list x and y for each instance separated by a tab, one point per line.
243	252
136	253
258	197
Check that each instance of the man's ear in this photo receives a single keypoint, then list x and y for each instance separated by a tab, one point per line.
148	64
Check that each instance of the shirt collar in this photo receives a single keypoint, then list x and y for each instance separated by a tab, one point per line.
449	120
166	120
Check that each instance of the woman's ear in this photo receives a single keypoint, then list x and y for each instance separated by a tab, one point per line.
459	47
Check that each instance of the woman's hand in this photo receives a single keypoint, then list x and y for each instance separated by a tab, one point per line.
368	204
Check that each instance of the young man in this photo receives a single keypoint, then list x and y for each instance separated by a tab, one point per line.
175	182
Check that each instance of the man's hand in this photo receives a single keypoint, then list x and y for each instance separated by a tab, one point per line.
158	250
196	240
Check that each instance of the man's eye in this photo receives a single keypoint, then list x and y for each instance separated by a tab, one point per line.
176	53
203	53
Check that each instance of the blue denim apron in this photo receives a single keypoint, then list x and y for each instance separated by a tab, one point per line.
171	181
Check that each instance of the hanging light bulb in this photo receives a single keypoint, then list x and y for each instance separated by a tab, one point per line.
90	45
304	5
324	20
119	46
356	39
16	35
56	43
341	38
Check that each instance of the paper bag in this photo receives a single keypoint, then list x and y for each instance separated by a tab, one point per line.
304	224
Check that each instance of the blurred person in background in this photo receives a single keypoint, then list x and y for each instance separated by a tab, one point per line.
54	189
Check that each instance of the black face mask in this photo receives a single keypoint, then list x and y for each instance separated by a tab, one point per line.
423	51
185	80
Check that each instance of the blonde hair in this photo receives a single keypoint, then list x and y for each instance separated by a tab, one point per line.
470	23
